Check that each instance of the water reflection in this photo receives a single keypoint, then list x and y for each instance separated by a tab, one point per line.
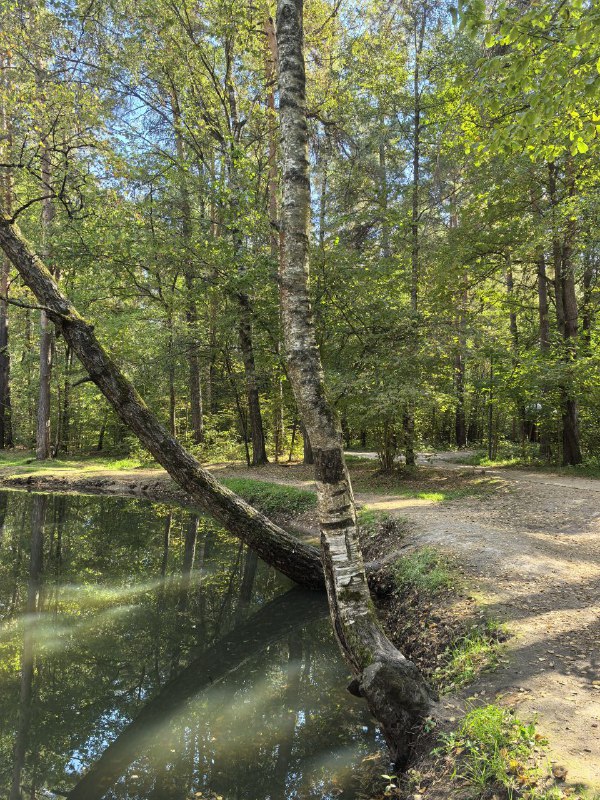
146	654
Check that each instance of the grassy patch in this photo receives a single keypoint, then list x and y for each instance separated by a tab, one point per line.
468	656
493	750
371	522
510	457
425	571
272	498
26	459
420	483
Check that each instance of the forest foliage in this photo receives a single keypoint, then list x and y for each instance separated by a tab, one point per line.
455	240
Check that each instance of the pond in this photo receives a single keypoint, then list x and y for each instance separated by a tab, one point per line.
146	654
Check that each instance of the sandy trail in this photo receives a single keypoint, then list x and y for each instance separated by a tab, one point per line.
533	552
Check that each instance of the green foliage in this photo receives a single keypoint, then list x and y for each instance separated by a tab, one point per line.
426	571
474	652
492	749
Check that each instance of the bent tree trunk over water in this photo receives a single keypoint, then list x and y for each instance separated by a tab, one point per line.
298	561
394	689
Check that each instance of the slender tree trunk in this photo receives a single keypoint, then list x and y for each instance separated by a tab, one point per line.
383	193
63	428
46	330
298	561
100	445
544	317
171	376
6	187
514	336
544	337
587	317
246	342
274	229
567	318
395	691
259	451
460	422
408	420
191	311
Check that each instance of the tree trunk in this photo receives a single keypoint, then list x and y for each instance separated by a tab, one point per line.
191	311
6	434
307	452
544	325
298	561
514	335
408	421
274	227
460	421
42	450
567	319
394	689
589	279
259	451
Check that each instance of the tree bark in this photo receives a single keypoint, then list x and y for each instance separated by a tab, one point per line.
307	453
588	311
42	450
259	452
191	311
408	421
6	433
395	691
298	561
567	318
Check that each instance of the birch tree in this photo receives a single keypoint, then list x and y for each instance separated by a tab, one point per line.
395	691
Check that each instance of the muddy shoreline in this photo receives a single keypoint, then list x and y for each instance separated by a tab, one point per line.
159	489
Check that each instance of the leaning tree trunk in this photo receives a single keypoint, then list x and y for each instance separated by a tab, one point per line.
395	691
298	561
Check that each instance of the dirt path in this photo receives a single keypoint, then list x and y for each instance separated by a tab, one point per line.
532	552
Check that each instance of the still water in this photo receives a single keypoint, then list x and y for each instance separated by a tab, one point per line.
145	654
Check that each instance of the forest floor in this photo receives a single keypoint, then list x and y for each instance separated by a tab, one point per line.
528	545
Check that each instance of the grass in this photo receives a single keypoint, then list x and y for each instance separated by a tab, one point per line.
271	498
26	458
420	483
426	571
370	521
511	457
492	749
470	655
